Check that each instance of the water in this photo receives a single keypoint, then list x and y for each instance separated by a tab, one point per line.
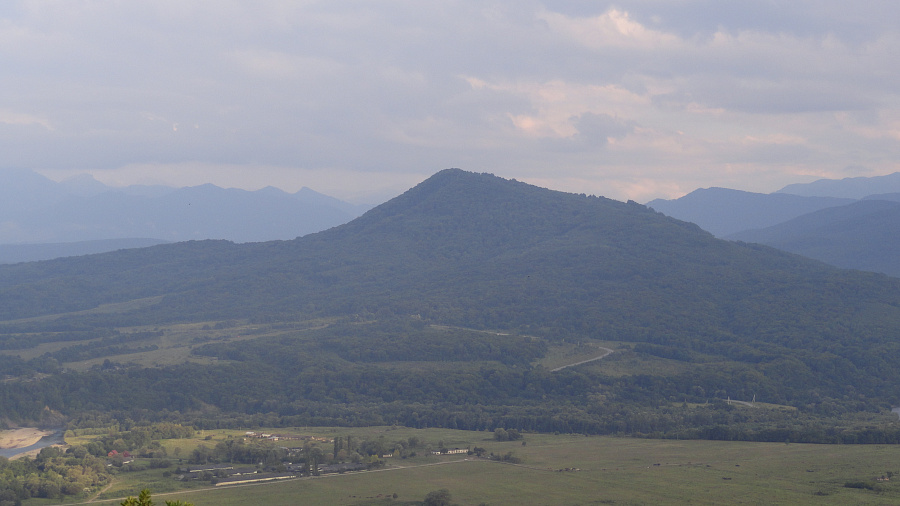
896	410
53	439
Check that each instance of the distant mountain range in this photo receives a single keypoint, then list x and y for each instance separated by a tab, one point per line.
863	235
851	187
82	215
851	223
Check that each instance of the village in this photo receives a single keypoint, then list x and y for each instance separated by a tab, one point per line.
225	474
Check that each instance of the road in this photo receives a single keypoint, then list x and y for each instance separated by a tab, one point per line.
606	352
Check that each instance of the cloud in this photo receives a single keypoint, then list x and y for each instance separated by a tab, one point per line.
23	119
612	29
622	99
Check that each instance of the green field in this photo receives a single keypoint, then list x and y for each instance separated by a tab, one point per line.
602	470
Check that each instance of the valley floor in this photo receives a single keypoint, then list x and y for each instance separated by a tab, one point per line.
574	469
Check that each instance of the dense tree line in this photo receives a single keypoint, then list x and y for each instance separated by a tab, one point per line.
52	474
142	440
292	391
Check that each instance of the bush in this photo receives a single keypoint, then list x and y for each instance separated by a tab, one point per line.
437	498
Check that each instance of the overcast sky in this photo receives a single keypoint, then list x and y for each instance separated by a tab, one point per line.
363	99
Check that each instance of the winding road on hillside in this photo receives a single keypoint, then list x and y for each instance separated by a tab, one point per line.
606	352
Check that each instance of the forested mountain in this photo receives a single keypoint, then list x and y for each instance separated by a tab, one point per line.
459	248
37	210
724	212
864	235
344	307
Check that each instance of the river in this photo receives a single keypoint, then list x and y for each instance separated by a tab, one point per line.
53	439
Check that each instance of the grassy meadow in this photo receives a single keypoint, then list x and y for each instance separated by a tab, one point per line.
563	470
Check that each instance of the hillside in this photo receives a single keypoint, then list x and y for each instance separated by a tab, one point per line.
335	327
864	235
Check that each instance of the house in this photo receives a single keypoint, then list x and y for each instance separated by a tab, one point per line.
455	451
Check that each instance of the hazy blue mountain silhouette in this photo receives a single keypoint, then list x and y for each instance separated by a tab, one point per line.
37	210
851	187
723	212
863	235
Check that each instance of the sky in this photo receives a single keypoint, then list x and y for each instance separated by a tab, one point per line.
362	99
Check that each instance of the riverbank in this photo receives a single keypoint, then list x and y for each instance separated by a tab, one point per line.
21	437
28	441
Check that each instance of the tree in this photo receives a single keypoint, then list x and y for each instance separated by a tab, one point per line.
143	499
437	498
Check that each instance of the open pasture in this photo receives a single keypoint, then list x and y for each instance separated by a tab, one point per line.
579	470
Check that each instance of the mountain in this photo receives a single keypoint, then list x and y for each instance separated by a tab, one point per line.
199	212
864	235
383	320
21	192
454	245
35	209
893	197
469	249
83	185
851	187
724	212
